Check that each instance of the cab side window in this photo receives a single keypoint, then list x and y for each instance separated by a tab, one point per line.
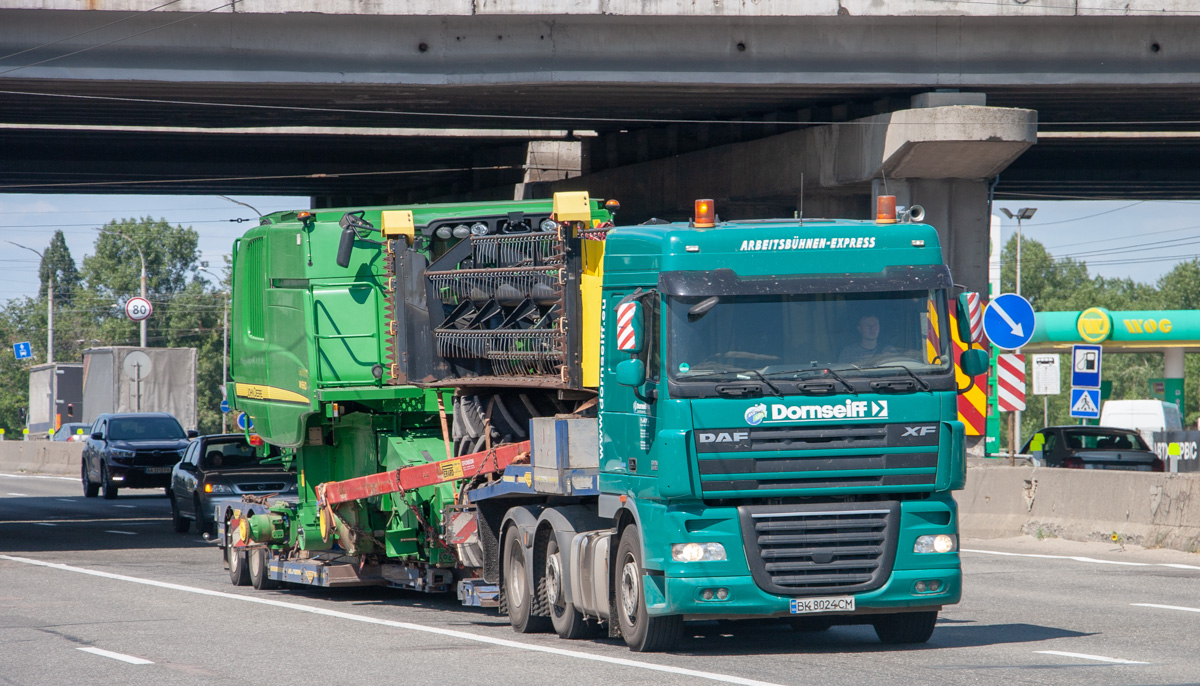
649	355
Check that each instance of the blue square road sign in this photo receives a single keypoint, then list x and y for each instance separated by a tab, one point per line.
1085	366
1085	403
23	350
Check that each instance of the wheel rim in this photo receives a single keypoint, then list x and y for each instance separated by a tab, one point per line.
516	578
230	551
554	592
631	588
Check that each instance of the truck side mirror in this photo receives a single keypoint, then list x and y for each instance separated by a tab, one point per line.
630	329
345	247
974	362
631	373
970	318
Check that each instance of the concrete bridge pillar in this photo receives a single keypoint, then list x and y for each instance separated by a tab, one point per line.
941	153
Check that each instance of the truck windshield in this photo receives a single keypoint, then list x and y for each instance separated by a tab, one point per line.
144	429
789	336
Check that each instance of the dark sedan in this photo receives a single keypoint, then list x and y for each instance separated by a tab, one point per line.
1092	447
218	467
131	450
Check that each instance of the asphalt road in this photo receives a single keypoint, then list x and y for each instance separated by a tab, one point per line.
103	592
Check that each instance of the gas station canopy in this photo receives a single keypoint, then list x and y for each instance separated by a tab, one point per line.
1121	331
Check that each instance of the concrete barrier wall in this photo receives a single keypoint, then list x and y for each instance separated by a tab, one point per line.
41	457
1148	509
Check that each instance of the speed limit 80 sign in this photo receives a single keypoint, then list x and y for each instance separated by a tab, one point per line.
138	308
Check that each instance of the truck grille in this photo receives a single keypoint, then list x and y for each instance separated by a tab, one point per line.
796	550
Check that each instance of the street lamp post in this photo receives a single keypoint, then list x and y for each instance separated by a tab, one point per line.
1021	214
49	305
143	280
224	347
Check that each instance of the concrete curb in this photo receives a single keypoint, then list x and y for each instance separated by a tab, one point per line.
41	457
1147	509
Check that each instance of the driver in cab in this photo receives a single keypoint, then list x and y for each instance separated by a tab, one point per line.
867	344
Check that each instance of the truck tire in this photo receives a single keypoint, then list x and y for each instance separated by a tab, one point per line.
642	633
905	627
257	561
90	489
239	572
180	523
519	589
110	488
568	622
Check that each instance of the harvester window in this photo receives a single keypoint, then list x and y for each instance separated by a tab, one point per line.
254	268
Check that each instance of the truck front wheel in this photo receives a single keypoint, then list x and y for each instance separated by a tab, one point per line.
642	633
519	588
905	627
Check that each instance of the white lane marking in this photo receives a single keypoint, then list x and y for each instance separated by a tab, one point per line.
64	500
127	507
117	656
1167	607
39	476
1077	558
45	524
1097	658
19	495
125	533
454	633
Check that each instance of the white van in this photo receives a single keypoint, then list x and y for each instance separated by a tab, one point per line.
1143	416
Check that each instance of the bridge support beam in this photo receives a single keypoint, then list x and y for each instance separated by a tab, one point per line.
938	153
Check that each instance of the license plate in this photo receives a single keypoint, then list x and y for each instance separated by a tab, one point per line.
158	470
803	606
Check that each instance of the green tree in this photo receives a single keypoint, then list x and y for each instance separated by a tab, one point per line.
58	266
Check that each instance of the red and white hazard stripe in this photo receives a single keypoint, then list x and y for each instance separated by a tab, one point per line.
625	333
1010	382
975	317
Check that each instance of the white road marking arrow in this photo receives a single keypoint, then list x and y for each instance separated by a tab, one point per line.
1016	328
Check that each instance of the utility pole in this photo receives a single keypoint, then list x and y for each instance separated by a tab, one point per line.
1019	215
49	305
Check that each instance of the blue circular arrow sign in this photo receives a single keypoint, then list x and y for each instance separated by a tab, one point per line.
224	405
1008	321
244	423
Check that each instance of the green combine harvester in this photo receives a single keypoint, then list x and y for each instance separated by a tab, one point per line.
605	429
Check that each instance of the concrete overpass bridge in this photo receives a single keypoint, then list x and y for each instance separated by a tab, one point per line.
651	101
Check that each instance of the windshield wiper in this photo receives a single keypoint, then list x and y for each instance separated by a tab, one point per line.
920	382
767	381
819	370
847	384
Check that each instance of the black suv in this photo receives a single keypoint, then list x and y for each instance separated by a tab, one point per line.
132	450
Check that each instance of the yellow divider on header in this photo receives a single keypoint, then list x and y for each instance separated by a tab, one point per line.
590	283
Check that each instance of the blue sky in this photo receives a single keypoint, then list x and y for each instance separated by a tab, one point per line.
1139	240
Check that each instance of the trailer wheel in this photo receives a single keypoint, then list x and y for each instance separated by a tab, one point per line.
642	633
518	588
568	622
257	561
239	574
905	627
90	489
110	487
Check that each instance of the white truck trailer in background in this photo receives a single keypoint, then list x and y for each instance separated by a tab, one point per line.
132	379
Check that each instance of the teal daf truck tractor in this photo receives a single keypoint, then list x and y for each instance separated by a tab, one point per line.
648	424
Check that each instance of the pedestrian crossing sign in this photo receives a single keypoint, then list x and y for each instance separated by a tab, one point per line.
1085	403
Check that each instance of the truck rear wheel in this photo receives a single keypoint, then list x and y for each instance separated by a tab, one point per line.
257	560
519	589
905	627
642	633
239	575
568	622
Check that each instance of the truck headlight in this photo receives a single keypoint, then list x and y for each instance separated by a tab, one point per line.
941	543
217	488
697	552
